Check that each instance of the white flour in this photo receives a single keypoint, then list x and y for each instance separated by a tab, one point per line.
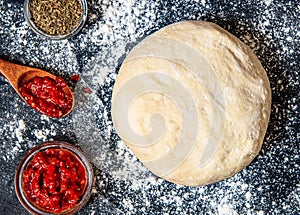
112	29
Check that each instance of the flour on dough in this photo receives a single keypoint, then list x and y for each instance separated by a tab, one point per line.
192	102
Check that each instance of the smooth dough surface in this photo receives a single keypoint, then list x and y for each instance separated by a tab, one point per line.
192	102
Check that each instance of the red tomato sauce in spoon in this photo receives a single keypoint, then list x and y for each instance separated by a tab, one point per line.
47	96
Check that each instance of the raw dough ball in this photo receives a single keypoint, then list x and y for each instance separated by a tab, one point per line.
192	102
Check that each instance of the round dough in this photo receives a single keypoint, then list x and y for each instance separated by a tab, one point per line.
192	102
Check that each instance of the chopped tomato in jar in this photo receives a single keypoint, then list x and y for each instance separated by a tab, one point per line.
54	180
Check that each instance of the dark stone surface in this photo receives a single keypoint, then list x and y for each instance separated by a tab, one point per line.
270	185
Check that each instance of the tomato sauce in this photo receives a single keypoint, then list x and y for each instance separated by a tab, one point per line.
47	96
54	180
75	78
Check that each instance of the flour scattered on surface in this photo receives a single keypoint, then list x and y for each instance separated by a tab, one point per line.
248	196
123	183
226	210
19	130
19	135
123	25
260	213
41	134
267	2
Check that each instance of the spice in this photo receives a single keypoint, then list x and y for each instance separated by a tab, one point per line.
55	17
47	95
54	180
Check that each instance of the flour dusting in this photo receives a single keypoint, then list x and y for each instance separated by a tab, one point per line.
269	185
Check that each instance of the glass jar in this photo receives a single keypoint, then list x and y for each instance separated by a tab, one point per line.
58	146
75	30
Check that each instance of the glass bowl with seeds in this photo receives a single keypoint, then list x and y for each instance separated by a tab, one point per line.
55	19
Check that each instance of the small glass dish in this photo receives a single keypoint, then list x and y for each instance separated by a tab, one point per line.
75	30
60	147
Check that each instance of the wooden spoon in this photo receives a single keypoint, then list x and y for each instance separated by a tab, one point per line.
18	74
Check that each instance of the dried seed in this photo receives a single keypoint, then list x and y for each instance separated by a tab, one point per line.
55	17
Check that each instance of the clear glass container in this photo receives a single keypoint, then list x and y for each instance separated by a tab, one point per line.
54	145
56	37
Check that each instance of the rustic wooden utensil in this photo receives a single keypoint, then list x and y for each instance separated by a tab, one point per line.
18	74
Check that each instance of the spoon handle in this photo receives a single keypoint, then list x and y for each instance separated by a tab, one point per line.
12	72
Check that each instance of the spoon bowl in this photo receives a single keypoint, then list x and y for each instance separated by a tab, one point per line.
18	74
